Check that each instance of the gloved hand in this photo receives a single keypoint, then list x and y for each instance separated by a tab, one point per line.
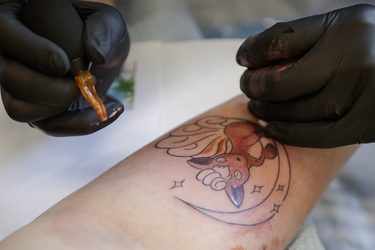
313	79
34	87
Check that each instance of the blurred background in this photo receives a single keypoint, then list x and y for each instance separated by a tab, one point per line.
174	20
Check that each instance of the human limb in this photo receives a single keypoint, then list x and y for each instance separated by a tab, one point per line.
312	79
154	198
34	85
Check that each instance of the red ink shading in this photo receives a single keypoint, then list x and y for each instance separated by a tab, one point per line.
264	247
257	231
238	248
242	135
224	150
275	243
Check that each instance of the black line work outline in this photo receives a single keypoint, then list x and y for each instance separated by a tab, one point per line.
178	184
257	189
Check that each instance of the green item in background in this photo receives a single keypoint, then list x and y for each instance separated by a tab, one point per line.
123	87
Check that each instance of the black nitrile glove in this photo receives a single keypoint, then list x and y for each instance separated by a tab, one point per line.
313	79
34	87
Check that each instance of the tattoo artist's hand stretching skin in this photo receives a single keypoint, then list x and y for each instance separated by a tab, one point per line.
313	79
215	182
34	85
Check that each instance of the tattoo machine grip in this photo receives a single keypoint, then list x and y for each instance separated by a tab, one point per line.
59	22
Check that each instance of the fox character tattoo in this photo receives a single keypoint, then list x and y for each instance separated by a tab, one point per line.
223	149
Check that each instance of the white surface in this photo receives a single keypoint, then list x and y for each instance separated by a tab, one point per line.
174	82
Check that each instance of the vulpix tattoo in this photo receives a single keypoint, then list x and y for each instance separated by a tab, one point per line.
235	164
224	150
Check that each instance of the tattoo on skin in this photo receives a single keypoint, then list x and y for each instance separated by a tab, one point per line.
232	156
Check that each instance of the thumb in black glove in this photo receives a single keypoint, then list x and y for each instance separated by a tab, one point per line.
32	70
313	79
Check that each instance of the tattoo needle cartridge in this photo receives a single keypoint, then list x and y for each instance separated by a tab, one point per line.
59	22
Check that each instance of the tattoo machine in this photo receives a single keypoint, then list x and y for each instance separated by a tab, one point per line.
59	22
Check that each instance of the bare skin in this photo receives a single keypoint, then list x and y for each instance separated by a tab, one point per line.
158	199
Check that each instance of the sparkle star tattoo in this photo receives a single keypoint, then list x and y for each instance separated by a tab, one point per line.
257	189
177	184
233	157
275	208
281	188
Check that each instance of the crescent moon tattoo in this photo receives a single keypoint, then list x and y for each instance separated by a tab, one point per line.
234	158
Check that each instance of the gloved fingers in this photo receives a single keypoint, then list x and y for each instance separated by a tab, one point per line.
18	42
296	111
353	127
282	41
32	86
286	81
331	103
23	111
79	122
104	30
319	134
